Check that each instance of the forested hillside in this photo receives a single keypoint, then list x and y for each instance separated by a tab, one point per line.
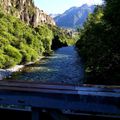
99	44
20	43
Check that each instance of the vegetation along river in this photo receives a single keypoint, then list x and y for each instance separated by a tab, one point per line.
64	66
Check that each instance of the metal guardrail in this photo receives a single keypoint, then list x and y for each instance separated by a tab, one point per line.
69	99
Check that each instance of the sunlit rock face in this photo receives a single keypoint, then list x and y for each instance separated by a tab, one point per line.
26	11
40	18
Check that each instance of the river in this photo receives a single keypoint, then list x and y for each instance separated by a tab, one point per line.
64	66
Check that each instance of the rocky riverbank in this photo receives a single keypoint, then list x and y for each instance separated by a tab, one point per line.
8	72
4	73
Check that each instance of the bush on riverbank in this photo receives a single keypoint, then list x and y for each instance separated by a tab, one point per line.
13	33
20	43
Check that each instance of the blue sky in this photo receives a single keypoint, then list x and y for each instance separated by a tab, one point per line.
59	6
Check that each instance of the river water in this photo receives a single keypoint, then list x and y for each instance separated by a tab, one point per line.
64	66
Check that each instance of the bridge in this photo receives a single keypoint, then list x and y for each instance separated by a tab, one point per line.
96	100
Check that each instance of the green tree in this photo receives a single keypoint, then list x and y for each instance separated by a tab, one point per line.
46	36
99	44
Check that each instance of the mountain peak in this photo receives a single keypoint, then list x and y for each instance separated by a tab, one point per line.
69	10
74	17
84	6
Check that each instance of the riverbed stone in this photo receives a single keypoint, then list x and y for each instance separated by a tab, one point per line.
4	73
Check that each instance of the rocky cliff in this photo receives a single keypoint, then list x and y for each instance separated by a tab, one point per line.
26	11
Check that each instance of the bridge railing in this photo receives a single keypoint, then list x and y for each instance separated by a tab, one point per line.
69	99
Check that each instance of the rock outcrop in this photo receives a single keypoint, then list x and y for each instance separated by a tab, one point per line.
26	11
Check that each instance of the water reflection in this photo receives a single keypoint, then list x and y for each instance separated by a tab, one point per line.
64	66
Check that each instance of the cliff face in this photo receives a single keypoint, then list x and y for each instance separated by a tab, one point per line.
26	11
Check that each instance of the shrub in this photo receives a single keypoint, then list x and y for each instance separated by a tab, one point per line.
13	53
2	60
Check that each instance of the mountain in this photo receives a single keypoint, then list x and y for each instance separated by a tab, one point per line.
26	11
74	16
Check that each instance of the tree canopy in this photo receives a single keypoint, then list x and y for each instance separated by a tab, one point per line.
99	44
